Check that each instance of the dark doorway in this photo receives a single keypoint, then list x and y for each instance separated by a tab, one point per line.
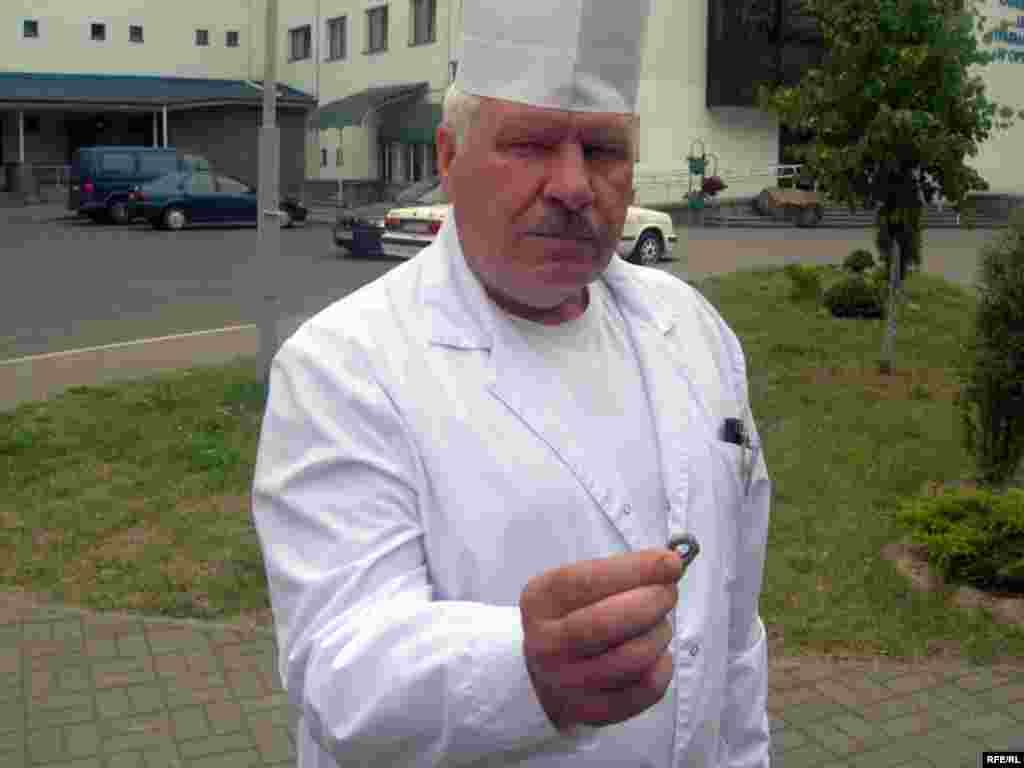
117	128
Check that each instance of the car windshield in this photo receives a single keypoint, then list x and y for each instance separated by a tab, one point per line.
413	192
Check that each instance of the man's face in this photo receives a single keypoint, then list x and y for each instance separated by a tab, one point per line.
540	199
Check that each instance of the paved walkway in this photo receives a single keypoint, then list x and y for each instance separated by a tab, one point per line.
100	690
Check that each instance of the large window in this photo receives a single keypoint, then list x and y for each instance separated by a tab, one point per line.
424	16
30	28
98	32
135	33
202	37
377	29
232	38
300	43
336	43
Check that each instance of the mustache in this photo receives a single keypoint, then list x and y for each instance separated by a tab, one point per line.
568	226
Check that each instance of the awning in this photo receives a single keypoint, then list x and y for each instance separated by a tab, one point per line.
352	109
414	123
139	91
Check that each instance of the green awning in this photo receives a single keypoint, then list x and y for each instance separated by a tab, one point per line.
414	123
352	109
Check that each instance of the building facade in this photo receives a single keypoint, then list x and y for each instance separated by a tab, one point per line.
372	74
185	74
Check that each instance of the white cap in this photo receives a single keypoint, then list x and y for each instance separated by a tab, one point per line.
579	55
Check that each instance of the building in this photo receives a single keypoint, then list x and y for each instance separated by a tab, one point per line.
186	74
376	72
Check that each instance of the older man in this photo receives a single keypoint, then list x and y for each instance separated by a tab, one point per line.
469	469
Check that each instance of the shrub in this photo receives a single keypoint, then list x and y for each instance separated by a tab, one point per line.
859	261
973	536
854	297
806	282
992	370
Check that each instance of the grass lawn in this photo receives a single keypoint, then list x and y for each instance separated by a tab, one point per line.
137	496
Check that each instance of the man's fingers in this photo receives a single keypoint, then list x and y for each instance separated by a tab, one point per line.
609	707
615	620
556	593
620	667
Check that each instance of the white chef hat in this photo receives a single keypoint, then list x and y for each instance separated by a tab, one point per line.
579	55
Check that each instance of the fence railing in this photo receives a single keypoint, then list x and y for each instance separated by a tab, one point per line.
676	183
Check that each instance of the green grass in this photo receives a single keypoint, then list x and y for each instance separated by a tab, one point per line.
137	496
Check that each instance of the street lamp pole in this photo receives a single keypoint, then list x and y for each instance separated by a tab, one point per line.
269	182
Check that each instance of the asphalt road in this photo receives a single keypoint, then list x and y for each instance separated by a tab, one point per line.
69	283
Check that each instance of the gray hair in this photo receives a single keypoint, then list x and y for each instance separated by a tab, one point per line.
460	110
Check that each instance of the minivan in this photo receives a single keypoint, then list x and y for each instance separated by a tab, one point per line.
102	177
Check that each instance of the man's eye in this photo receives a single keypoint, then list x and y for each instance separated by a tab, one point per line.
604	150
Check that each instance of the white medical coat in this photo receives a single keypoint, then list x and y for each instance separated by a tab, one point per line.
415	471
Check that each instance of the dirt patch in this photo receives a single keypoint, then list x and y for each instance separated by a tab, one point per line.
129	544
231	505
904	384
912	561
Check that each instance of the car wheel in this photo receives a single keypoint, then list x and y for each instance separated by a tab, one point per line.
649	249
118	213
174	218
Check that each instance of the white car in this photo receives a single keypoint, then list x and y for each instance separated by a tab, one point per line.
647	236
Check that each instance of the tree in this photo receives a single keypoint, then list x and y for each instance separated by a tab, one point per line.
894	110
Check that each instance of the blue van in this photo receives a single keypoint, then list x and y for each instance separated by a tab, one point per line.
103	177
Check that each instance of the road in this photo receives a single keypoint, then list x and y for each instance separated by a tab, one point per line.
70	283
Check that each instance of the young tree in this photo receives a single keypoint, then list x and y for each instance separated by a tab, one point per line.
894	110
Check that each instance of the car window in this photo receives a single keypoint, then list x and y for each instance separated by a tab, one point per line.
157	163
232	186
435	196
200	184
195	162
165	184
117	163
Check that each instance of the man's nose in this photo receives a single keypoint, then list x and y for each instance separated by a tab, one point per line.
569	178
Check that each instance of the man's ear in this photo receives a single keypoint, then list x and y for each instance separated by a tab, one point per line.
445	139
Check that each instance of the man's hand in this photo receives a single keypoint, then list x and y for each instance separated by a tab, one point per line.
597	634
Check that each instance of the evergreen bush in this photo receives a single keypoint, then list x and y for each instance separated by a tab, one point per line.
859	261
854	297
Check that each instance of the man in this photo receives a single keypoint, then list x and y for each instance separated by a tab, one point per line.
469	469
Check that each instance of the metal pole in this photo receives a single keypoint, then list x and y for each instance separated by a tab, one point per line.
269	180
165	126
21	137
156	129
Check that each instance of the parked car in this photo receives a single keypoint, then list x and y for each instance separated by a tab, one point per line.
358	230
102	178
204	197
647	236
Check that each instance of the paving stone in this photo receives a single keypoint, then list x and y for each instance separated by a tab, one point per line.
981	680
170	664
74	679
273	718
82	740
10	661
247	759
811	756
913	682
35	632
130	646
46	746
69	630
190	723
125	760
174	640
274	745
1007	697
917	723
981	724
226	717
12	716
951	751
166	757
802	714
275	701
137	734
835	740
246	685
893	754
231	742
113	674
10	636
60	710
101	648
961	699
179	696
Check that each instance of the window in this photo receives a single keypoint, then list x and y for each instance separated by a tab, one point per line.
157	163
117	163
453	70
339	157
135	34
336	47
30	28
300	40
323	158
377	29
232	39
232	186
424	13
202	37
98	32
200	184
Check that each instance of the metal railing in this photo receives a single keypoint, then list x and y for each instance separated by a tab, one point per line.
676	183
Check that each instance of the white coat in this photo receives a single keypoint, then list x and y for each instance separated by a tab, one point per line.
414	472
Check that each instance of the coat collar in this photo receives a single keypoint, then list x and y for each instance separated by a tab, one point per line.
459	314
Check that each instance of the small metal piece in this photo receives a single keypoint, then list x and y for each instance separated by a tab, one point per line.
685	544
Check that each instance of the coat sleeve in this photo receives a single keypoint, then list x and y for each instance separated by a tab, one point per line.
381	673
745	727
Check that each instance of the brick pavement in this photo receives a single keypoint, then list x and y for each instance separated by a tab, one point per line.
95	690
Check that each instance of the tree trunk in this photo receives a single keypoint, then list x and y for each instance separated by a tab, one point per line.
886	364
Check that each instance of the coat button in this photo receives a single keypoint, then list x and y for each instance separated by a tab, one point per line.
626	509
695	649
